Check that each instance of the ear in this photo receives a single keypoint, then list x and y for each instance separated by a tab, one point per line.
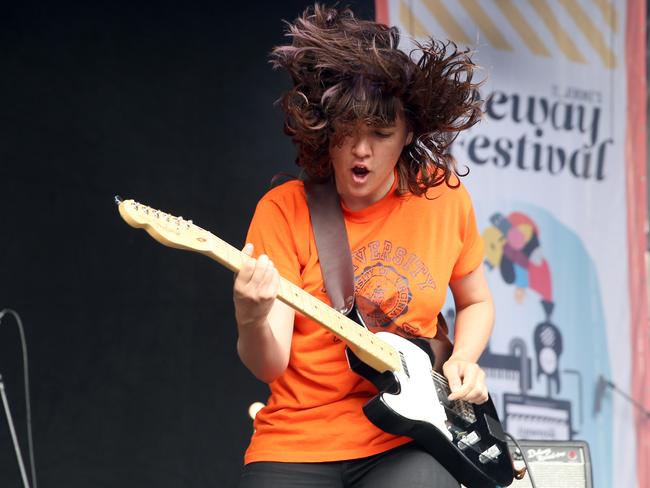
409	138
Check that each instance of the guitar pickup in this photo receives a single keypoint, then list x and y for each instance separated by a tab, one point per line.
468	440
404	365
490	454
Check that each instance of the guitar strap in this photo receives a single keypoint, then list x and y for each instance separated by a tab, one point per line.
334	255
331	243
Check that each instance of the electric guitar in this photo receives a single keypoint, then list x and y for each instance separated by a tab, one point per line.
467	439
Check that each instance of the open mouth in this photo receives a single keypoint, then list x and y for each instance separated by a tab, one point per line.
360	174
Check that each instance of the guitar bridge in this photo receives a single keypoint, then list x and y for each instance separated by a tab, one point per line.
490	454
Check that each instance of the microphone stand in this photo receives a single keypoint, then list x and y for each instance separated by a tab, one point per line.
605	383
10	422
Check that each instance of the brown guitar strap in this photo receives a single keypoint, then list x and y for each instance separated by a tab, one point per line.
332	243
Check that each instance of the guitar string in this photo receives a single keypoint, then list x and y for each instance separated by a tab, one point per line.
461	406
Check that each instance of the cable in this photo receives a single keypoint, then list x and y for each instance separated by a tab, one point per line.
523	456
28	407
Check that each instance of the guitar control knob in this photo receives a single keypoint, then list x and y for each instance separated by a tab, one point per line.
490	454
468	440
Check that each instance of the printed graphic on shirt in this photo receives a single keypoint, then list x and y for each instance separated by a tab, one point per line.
384	275
382	295
407	262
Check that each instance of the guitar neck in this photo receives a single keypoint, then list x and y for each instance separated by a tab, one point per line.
367	346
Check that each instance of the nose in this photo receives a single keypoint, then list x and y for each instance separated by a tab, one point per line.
361	145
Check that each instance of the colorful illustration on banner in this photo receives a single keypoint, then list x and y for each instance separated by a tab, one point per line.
542	285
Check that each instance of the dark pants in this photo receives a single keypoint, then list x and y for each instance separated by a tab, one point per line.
403	467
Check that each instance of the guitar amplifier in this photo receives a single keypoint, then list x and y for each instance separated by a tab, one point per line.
555	464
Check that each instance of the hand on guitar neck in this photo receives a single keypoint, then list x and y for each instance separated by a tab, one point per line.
265	325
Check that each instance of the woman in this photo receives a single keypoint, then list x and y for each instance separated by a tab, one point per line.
379	123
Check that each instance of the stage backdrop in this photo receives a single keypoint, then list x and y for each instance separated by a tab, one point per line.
557	172
135	379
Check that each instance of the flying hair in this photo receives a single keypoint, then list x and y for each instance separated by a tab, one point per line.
346	70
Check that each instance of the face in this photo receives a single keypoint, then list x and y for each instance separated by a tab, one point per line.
365	159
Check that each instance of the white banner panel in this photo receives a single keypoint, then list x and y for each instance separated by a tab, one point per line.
548	175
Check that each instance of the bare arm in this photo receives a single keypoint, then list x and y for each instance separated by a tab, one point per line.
474	322
265	324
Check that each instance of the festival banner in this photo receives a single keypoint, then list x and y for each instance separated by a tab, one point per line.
557	175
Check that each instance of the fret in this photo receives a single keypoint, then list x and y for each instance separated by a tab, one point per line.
297	298
282	289
225	254
220	251
291	295
340	321
314	306
330	316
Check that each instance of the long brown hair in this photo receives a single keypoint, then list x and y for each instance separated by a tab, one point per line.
345	69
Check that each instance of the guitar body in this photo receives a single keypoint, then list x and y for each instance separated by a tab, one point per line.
467	439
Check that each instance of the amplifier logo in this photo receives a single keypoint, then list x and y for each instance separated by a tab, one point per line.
549	454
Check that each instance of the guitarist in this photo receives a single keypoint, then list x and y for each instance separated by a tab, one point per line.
379	123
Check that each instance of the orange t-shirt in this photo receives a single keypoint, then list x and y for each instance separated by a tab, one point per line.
405	251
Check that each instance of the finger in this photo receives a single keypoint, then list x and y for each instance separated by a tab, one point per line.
248	262
484	397
263	285
247	266
471	375
248	249
273	276
269	289
469	382
479	394
460	393
463	382
452	372
245	273
262	271
474	389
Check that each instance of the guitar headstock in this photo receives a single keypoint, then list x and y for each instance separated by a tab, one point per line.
167	229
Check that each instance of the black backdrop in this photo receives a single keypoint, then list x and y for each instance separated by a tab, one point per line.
135	378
